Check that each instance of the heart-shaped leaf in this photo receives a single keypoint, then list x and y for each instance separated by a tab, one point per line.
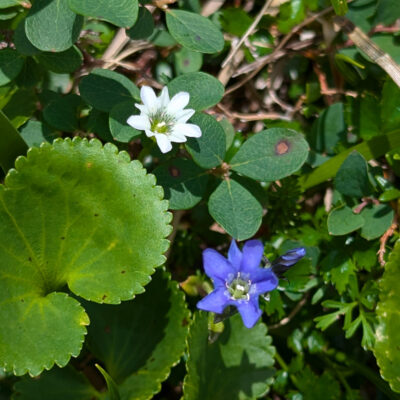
79	216
387	337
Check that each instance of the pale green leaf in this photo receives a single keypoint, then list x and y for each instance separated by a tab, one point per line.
342	220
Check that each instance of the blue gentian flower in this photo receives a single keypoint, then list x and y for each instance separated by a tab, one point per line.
239	280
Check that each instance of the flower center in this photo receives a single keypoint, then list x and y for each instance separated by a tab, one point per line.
161	122
239	288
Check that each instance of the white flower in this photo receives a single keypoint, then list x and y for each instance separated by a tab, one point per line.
163	118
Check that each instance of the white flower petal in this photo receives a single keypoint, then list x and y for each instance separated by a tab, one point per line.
173	137
163	100
190	130
140	122
163	143
142	108
178	102
149	133
184	115
149	98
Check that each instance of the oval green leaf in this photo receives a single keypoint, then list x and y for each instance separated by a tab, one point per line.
103	89
239	365
235	209
387	336
194	31
51	25
378	219
342	221
208	151
205	90
11	64
271	154
122	13
143	27
64	62
184	183
77	215
119	128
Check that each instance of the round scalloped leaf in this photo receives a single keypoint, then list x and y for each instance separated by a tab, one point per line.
387	335
237	366
140	340
79	215
271	154
61	384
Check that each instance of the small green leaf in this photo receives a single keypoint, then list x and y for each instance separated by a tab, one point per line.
389	195
21	106
387	335
60	384
72	214
22	43
64	62
35	133
340	6
378	219
51	26
113	392
120	130
143	27
271	154
11	64
184	183
352	178
342	220
63	113
194	31
11	143
103	89
9	3
122	13
205	90
390	113
239	365
208	151
235	209
140	340
187	61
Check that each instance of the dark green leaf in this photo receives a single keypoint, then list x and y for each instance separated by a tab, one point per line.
120	130
20	107
194	31
184	183
51	26
113	392
22	43
103	89
377	219
205	90
271	154
342	220
208	151
64	62
143	27
235	209
122	13
11	64
352	178
387	12
35	133
390	112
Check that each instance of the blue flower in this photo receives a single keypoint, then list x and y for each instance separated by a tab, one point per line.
239	280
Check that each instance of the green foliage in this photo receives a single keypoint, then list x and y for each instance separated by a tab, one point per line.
10	65
242	362
34	271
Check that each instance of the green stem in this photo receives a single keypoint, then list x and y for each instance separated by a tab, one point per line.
11	144
285	367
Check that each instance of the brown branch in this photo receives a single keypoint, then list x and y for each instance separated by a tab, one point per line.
253	117
382	248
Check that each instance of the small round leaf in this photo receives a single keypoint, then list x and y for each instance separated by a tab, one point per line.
342	221
271	154
120	130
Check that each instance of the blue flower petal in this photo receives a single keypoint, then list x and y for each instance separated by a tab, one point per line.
252	254
284	262
266	281
216	266
235	255
250	312
215	302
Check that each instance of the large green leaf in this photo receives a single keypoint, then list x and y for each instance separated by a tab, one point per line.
208	151
183	181
63	62
51	26
57	384
103	89
119	128
342	220
77	215
119	12
194	31
238	366
387	336
205	90
140	340
271	154
235	209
